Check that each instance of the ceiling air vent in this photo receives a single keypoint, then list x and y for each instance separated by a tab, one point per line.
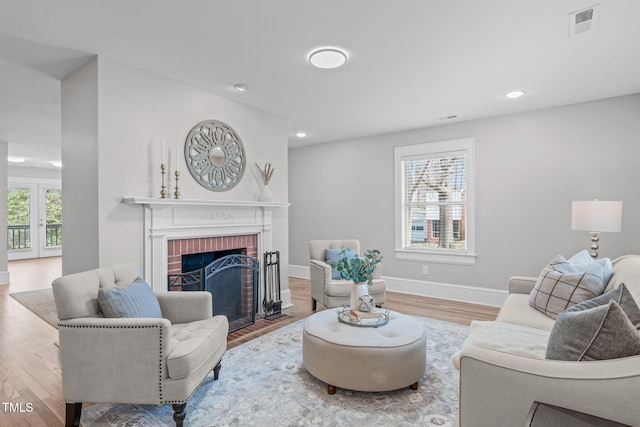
583	20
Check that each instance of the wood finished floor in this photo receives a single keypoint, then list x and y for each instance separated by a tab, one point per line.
29	367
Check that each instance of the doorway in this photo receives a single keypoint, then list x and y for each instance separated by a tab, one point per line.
34	220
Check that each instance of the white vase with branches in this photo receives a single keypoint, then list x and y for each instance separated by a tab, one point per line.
266	173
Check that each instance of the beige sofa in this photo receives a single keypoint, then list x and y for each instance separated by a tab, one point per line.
498	387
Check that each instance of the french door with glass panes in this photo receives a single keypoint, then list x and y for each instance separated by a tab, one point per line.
34	220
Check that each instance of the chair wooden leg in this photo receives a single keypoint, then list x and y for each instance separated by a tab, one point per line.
313	304
216	371
179	413
73	412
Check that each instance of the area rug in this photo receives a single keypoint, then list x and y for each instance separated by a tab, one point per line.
41	303
263	383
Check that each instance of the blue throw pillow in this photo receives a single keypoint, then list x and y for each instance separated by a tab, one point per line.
337	255
134	300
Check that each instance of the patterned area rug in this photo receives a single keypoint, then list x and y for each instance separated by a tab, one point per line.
41	303
263	383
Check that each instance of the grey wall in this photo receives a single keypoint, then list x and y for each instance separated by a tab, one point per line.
529	167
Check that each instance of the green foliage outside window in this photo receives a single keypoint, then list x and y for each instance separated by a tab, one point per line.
19	221
18	206
54	206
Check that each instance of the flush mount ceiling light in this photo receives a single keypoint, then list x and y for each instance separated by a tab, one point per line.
515	94
301	134
240	87
16	159
328	57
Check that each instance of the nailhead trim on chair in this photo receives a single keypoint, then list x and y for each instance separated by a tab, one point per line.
62	325
194	390
159	352
131	327
160	367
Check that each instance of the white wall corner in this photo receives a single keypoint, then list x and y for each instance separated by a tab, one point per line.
4	278
285	297
448	291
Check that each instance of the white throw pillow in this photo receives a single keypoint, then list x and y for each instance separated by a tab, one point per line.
583	260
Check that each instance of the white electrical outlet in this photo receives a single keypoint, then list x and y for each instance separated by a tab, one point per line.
425	270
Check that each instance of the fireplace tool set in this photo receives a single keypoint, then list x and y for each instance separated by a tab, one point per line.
271	303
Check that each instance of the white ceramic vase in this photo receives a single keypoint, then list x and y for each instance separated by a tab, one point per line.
265	194
357	290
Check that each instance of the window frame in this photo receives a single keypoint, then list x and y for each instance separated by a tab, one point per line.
440	255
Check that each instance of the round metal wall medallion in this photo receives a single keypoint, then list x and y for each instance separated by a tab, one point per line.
215	155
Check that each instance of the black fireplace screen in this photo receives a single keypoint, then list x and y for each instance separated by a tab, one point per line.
233	282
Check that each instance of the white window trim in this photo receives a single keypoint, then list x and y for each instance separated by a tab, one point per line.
446	256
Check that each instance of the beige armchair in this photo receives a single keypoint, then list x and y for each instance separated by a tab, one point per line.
336	292
134	360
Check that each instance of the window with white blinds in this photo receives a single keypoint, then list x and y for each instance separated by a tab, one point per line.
434	194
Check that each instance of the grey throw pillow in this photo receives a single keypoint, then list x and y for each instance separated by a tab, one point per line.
598	333
622	296
336	255
134	300
563	284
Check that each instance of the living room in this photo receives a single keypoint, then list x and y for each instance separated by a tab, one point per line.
533	156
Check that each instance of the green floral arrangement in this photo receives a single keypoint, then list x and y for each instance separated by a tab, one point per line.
358	269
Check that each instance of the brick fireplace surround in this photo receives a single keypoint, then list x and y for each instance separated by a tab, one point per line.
178	247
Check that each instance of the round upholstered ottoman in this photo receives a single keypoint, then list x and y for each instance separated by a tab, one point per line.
388	357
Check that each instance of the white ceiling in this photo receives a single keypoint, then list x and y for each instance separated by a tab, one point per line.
411	62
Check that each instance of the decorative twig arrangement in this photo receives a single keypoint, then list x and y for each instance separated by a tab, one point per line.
266	173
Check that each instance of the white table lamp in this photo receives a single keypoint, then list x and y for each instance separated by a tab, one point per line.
596	217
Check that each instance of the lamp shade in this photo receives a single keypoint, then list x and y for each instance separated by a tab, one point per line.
596	216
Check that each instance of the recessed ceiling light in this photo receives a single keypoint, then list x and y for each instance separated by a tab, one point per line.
515	94
56	164
301	134
16	159
326	58
240	87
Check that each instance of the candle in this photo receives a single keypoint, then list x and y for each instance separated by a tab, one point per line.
176	159
162	148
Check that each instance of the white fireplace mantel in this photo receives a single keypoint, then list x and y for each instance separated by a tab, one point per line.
200	202
169	219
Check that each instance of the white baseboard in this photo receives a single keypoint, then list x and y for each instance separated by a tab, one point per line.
449	291
4	278
299	271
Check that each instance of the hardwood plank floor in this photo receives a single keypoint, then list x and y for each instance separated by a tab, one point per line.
29	367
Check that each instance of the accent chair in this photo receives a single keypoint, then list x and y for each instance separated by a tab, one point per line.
329	289
141	360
